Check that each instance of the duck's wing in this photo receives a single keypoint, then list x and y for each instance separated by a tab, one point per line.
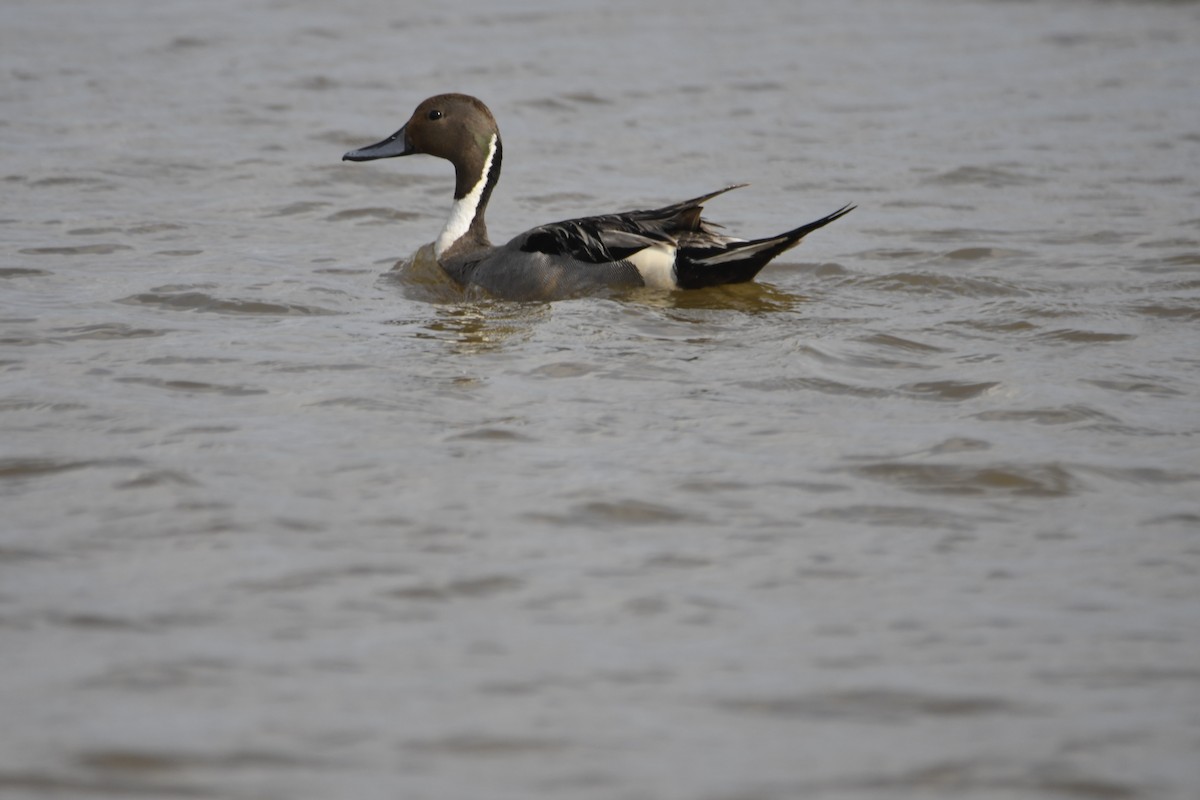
592	240
616	237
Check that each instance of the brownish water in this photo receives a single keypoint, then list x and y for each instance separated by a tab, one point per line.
914	516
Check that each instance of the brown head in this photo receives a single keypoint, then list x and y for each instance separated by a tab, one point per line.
456	127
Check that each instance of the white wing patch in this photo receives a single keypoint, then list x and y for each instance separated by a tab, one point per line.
656	265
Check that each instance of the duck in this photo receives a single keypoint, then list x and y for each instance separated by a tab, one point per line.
671	248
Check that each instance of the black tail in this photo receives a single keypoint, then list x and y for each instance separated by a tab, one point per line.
738	262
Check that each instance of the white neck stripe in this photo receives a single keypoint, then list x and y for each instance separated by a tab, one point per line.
463	211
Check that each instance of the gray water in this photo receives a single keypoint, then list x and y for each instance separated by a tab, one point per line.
916	515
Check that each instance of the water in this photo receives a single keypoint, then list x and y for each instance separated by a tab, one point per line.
913	516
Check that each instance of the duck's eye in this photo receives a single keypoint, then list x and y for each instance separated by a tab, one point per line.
435	114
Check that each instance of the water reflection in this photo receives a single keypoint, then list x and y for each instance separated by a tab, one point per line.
750	298
485	325
421	278
469	325
472	324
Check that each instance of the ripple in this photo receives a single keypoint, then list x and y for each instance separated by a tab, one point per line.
823	385
1032	480
995	326
163	675
1063	415
631	512
302	368
361	403
203	302
1074	336
949	390
32	467
22	272
94	231
554	199
188	43
301	207
141	761
89	620
21	404
71	180
24	468
1109	678
873	705
13	555
899	343
992	177
562	369
1183	518
66	785
1136	385
972	778
900	516
158	361
1106	236
960	444
980	253
305	580
195	387
79	250
492	435
104	331
1172	311
937	283
622	512
896	254
158	477
372	215
1139	475
153	227
486	745
712	486
676	561
481	586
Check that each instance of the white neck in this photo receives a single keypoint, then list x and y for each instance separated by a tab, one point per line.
463	211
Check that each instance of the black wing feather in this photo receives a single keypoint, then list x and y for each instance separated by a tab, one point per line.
614	237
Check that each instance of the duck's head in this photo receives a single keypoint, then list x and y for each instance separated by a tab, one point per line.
456	127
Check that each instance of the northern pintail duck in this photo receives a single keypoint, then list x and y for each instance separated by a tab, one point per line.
667	248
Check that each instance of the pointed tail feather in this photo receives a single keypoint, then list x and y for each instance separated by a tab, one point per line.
738	262
666	212
794	236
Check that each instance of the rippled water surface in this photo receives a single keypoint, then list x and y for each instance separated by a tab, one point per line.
915	515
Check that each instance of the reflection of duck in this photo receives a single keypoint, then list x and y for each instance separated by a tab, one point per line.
665	248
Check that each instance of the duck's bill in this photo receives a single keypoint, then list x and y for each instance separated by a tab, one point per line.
395	145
